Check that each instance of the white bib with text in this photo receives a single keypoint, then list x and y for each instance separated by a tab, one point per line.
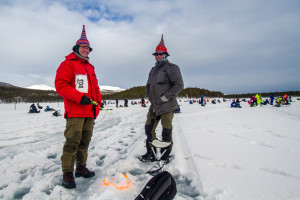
81	83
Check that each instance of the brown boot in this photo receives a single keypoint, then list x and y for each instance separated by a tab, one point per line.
82	171
68	180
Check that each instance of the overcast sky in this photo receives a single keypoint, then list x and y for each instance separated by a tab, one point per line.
232	46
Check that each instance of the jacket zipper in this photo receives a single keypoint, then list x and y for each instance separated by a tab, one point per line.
94	109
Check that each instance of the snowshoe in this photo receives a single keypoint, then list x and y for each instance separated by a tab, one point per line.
147	158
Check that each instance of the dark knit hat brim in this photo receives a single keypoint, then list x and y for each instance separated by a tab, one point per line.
74	48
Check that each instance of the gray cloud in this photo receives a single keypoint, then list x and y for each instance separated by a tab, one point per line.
228	46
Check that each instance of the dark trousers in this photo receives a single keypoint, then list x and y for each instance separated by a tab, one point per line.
78	134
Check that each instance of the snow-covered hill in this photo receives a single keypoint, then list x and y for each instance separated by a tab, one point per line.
109	89
40	87
104	88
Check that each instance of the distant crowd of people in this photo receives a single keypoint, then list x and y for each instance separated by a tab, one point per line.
253	101
282	100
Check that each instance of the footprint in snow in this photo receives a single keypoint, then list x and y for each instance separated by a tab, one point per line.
52	156
20	193
185	188
279	172
101	160
263	144
225	165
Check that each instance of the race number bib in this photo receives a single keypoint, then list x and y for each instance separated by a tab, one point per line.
81	83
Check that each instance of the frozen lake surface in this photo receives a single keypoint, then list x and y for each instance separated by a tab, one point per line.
219	153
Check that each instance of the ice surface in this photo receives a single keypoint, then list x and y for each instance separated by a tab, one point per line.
219	153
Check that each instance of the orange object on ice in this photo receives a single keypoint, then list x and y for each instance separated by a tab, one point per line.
119	187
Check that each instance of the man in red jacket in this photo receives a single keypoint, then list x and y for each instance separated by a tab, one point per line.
77	83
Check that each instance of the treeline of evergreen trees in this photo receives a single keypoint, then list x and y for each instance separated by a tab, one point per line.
191	92
139	92
17	95
132	93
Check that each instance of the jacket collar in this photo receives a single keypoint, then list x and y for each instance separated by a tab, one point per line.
161	63
73	56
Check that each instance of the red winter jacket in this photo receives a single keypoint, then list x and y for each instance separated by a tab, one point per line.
76	77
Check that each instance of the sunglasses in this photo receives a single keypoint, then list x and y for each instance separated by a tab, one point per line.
156	54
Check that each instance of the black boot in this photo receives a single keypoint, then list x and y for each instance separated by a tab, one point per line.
166	156
68	180
149	155
82	171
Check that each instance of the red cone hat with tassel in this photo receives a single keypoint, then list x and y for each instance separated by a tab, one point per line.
161	48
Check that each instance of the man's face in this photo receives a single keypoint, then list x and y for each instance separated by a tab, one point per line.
159	56
84	51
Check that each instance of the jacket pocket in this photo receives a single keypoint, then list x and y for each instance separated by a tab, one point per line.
162	77
159	101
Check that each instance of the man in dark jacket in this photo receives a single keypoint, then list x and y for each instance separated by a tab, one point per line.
77	83
164	83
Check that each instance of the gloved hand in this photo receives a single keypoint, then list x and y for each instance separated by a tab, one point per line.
85	100
164	98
